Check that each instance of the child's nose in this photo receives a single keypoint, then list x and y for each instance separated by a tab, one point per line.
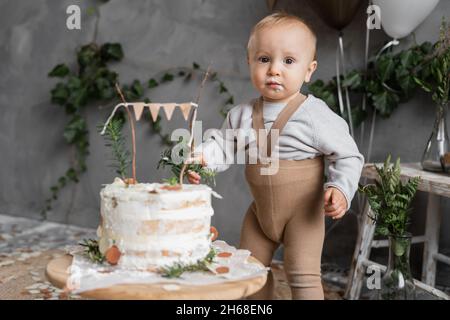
274	69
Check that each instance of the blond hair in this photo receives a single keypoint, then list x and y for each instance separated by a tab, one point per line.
282	18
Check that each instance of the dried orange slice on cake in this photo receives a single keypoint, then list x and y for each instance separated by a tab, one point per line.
214	233
224	254
112	255
222	269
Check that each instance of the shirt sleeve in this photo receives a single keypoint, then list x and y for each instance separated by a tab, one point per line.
217	150
332	138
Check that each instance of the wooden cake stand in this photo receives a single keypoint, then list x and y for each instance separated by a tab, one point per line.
57	274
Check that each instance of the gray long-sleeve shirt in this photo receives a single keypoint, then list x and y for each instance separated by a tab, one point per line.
313	130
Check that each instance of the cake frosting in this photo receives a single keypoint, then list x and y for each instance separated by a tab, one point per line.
154	226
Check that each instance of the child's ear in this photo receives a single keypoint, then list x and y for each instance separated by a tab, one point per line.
312	67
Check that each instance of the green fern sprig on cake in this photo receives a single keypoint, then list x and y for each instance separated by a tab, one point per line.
177	269
92	251
114	139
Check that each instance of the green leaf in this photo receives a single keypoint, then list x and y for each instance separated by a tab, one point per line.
62	181
188	76
385	102
352	80
316	86
61	70
75	128
222	88
87	55
152	83
425	86
107	93
230	100
60	93
104	88
130	94
137	88
72	175
405	81
78	97
74	83
111	52
385	67
167	77
409	58
426	47
102	83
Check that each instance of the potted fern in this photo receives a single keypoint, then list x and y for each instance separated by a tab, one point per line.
390	200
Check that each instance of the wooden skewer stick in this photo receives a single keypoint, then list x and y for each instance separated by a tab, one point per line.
192	122
133	135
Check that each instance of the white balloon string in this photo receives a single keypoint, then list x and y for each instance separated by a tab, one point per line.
344	72
338	79
364	101
372	130
393	42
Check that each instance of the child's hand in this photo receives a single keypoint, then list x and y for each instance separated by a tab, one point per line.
194	177
335	204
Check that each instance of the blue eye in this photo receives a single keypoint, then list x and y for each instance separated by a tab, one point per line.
289	61
263	59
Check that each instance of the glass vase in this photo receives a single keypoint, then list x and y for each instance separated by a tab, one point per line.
397	283
436	156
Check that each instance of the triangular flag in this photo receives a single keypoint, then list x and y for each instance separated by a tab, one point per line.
138	109
154	109
168	109
185	109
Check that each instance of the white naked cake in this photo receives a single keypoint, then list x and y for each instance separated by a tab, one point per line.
147	226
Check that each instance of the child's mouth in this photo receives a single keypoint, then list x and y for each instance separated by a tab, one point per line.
274	85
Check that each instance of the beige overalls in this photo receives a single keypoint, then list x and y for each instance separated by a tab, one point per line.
287	209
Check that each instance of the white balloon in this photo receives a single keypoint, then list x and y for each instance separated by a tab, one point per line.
400	17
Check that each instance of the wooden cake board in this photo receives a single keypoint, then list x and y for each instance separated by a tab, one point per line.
56	272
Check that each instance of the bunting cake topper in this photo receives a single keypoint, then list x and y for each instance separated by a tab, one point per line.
139	108
169	108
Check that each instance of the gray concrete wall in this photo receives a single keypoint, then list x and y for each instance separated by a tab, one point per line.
156	35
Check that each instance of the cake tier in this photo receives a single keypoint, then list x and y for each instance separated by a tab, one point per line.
153	226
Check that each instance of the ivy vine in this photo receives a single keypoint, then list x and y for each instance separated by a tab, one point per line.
391	79
93	82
